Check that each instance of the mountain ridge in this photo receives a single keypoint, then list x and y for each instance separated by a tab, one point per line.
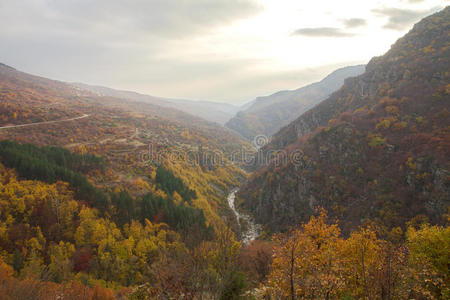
211	111
267	114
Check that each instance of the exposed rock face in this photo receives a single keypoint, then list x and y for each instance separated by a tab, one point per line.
376	149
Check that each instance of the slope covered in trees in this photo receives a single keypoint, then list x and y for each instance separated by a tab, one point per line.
53	245
50	164
134	139
162	182
170	184
376	149
54	164
316	262
266	115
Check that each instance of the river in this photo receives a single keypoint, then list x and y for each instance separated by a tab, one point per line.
251	230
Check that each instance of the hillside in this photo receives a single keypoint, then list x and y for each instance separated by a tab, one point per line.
97	193
210	111
133	137
377	149
266	115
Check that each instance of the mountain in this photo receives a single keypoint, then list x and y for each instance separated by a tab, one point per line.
210	111
377	149
266	115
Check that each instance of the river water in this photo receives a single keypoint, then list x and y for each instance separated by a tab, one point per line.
249	229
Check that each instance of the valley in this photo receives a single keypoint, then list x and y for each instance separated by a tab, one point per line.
266	115
339	189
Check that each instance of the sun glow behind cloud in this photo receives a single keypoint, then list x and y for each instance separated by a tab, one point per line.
223	50
271	36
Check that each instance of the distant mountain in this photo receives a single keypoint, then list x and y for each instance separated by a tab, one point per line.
210	111
266	115
6	67
27	98
378	149
247	105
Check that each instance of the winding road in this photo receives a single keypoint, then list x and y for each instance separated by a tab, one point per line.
45	122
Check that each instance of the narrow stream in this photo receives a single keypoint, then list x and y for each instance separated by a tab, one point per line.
251	230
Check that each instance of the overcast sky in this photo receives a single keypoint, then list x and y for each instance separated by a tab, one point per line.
217	50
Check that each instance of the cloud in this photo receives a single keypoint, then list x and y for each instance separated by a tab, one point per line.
227	50
400	19
354	22
322	32
145	17
111	41
160	17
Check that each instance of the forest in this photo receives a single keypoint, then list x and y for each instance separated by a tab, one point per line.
158	247
53	244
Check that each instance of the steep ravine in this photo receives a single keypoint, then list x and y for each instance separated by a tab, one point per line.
249	230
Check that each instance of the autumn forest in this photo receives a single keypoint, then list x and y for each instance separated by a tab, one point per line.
107	194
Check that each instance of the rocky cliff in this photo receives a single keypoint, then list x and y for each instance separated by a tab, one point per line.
377	149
